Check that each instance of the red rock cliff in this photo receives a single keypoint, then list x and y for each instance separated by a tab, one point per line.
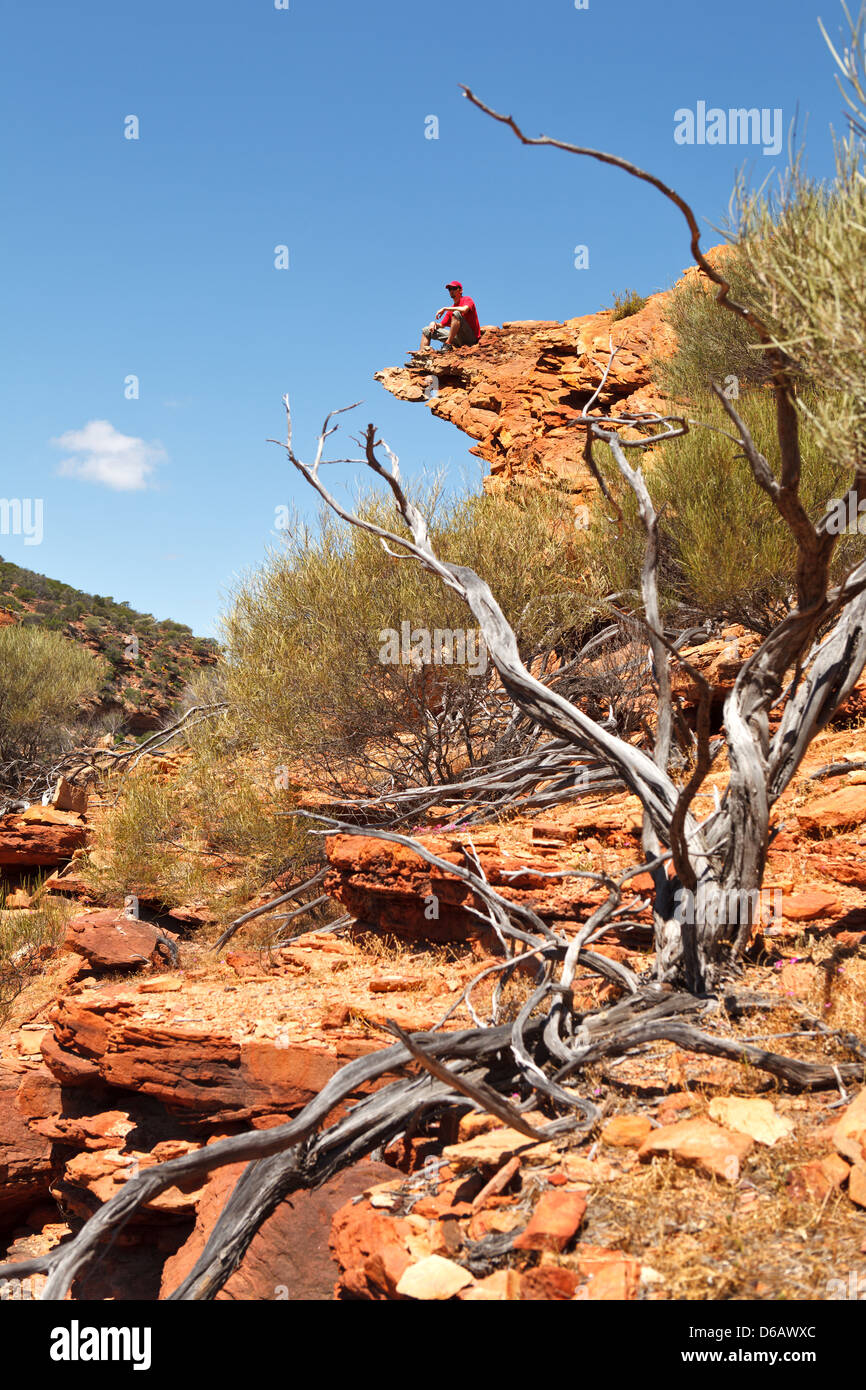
518	392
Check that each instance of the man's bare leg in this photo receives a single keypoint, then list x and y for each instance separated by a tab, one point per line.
456	321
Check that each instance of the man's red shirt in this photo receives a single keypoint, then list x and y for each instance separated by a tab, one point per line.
470	315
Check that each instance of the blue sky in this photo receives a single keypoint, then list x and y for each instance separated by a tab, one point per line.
305	127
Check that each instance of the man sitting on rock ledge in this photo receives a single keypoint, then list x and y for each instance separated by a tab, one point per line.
455	327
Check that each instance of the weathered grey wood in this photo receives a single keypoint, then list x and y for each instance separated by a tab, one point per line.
269	906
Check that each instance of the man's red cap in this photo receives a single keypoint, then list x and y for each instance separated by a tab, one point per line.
454	285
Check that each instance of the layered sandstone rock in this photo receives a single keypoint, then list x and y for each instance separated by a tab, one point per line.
134	1073
390	888
519	392
25	1156
40	836
109	940
255	1043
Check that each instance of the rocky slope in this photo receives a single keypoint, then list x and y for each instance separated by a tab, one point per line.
130	1053
149	662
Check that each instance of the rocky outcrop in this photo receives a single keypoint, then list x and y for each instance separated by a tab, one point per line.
519	391
109	940
41	836
25	1155
118	1076
390	888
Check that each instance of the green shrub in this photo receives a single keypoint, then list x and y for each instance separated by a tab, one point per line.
216	833
798	259
713	344
132	849
807	245
702	489
44	678
25	937
304	667
626	304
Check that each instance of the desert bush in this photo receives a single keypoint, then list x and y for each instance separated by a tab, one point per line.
44	678
132	849
818	318
304	638
214	833
712	345
25	939
626	304
702	491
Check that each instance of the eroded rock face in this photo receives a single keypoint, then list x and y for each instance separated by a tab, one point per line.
391	889
519	391
289	1258
204	1072
25	1156
144	1070
256	1043
40	836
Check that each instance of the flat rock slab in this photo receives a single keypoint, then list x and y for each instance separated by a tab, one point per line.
839	809
700	1144
40	837
221	1051
433	1278
626	1131
750	1115
109	940
554	1222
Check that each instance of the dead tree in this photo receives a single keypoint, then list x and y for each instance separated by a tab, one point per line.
719	862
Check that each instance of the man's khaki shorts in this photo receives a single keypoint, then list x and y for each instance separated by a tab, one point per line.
463	338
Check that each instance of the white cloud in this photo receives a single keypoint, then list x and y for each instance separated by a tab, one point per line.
101	454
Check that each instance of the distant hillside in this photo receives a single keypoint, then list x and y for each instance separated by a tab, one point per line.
150	662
